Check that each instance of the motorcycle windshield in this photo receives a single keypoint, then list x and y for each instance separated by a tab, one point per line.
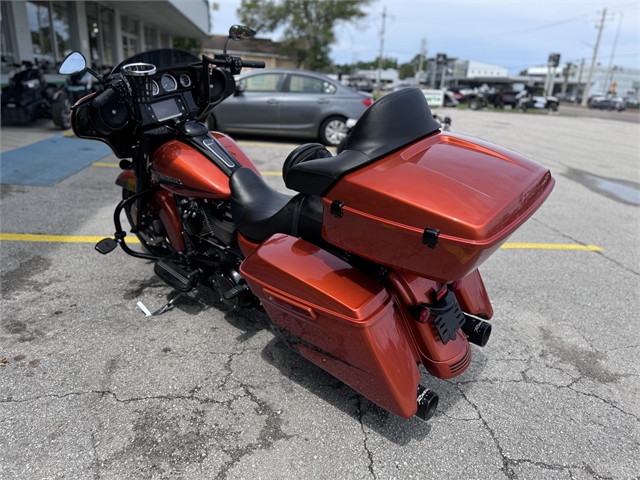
164	57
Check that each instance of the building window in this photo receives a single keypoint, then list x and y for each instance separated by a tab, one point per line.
129	36
50	31
100	29
149	38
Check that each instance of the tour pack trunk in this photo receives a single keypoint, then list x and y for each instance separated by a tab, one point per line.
437	208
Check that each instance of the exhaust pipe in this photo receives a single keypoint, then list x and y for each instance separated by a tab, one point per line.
427	403
477	331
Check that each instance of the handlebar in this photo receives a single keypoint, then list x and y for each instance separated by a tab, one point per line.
103	98
234	64
252	64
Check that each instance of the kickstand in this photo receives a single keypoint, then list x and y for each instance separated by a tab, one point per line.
162	309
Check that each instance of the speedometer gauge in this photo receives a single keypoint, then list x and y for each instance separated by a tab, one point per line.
169	83
155	89
185	80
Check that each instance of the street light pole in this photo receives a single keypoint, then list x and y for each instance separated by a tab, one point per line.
587	86
384	16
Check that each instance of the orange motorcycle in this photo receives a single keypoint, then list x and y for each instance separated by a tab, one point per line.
368	272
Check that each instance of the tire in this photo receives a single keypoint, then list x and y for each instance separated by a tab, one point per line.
474	104
333	130
61	113
163	250
553	106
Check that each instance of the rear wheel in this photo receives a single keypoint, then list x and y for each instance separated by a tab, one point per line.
474	104
153	235
333	130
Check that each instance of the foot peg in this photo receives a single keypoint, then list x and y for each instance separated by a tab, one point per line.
235	291
106	245
176	275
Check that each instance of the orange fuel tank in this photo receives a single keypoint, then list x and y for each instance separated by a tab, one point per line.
183	170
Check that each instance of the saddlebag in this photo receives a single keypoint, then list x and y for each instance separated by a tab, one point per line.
337	317
438	208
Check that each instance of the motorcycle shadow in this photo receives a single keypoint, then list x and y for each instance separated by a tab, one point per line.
291	365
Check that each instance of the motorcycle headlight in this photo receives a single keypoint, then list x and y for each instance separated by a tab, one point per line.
32	83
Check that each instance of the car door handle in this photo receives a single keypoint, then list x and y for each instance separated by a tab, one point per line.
322	101
273	101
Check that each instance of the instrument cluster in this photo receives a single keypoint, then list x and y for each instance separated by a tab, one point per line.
170	82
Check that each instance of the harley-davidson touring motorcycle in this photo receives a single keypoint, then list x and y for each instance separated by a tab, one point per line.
370	270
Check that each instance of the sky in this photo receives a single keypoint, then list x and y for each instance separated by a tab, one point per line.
514	34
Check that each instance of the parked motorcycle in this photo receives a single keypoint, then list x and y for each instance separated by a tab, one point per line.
28	95
368	272
77	86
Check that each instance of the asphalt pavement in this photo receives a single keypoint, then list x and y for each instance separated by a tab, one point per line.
91	388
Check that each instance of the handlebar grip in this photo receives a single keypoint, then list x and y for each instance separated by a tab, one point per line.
252	64
103	98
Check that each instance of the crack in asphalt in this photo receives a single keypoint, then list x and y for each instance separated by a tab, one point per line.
538	382
506	461
575	240
364	433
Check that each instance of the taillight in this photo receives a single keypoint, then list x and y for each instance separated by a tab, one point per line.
367	102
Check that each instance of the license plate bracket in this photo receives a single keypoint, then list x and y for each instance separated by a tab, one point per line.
448	317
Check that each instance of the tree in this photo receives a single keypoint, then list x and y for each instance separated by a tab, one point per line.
186	43
308	24
406	70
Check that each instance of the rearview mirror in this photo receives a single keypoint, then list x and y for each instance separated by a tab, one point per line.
240	32
74	63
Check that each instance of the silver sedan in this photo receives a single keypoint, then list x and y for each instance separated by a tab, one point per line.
289	102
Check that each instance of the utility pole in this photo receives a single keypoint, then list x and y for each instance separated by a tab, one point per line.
422	55
579	80
587	86
607	80
384	16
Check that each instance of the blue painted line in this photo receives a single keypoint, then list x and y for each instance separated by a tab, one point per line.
49	161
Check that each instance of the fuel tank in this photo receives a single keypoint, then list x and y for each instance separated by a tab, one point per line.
437	208
187	168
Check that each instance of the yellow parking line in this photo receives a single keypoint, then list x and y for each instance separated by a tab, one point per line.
553	246
105	164
26	237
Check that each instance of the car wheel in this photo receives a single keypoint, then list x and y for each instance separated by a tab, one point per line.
211	122
61	113
553	107
333	130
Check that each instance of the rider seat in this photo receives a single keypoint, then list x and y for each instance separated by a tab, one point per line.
392	122
259	211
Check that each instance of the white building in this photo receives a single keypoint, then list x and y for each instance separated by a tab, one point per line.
483	70
625	81
106	32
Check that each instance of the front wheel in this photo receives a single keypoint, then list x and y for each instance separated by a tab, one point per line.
61	113
152	235
474	104
333	130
